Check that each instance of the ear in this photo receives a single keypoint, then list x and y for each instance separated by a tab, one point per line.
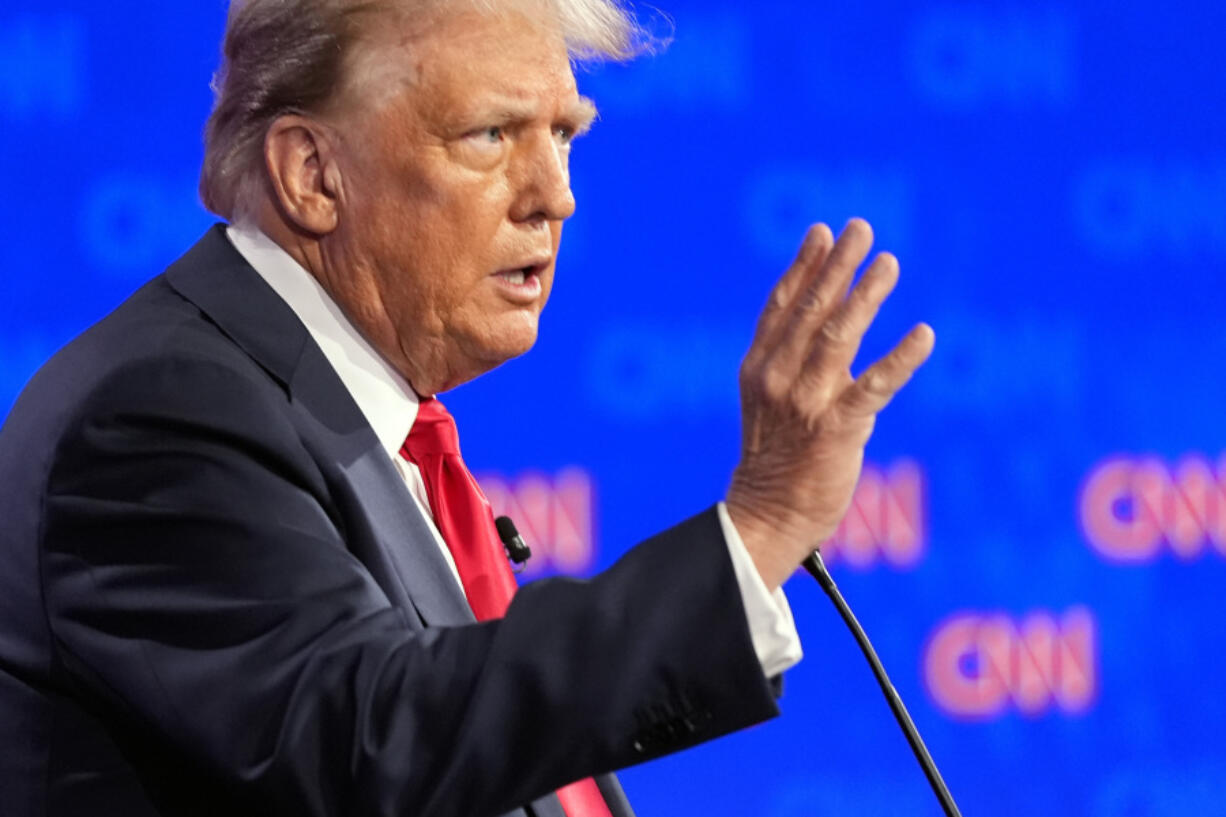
305	178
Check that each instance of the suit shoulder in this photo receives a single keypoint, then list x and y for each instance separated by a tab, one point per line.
157	328
157	353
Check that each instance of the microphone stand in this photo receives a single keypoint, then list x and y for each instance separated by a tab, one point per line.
817	568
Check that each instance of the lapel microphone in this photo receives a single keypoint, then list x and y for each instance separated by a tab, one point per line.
517	549
817	569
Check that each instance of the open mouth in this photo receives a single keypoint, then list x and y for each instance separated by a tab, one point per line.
521	283
518	277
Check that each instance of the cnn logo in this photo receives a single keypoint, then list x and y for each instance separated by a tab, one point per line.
979	666
1132	509
886	520
555	514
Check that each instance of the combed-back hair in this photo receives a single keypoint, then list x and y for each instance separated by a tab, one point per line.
289	56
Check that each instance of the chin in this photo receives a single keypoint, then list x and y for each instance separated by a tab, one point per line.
502	343
515	343
517	333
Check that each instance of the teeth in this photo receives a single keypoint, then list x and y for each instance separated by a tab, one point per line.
516	277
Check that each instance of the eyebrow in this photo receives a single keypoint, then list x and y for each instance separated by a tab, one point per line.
585	113
582	112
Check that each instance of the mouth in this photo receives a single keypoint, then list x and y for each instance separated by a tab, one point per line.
521	284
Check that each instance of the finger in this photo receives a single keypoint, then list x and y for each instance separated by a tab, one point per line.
878	384
838	341
822	294
813	251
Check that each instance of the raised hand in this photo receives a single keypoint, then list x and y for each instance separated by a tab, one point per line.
805	418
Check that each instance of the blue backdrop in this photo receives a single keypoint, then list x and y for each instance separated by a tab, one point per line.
1038	547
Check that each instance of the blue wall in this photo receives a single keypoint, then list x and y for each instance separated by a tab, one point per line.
1039	547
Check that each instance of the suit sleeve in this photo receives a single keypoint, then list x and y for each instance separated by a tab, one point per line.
204	602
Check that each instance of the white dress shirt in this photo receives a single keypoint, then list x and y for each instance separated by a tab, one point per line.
390	406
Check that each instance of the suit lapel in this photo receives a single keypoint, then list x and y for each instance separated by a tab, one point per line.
398	526
611	789
402	552
547	806
401	534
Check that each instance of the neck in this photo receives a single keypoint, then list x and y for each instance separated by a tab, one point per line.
422	362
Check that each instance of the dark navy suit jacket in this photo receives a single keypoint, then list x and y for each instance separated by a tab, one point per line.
218	598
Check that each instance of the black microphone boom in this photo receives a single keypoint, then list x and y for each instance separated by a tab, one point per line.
817	568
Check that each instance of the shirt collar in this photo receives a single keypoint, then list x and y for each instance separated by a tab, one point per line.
385	398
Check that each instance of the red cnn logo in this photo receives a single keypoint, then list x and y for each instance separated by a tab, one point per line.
555	514
1132	507
978	666
886	520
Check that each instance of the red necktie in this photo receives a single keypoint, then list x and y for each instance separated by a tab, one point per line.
463	517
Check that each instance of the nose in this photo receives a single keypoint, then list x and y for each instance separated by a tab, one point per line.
541	180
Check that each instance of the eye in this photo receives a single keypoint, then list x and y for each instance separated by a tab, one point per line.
564	134
491	135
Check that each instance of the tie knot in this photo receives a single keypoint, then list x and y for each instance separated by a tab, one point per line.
433	431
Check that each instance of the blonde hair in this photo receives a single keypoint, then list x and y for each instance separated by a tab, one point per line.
290	56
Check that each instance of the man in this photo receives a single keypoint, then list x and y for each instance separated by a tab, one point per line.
235	582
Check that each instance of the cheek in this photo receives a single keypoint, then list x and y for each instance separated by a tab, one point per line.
460	224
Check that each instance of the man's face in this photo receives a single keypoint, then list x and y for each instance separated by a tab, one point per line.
455	186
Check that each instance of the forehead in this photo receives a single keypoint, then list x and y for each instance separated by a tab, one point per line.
460	62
